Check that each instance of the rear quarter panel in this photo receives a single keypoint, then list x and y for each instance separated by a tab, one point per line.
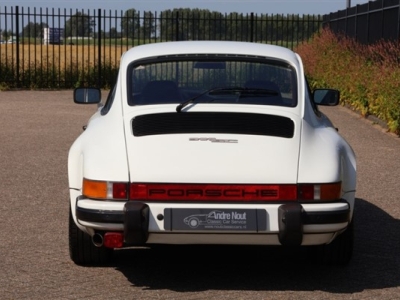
326	157
99	153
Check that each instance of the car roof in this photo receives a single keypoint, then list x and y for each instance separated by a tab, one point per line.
209	47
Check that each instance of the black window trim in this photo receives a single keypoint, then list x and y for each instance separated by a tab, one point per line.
110	100
310	98
211	57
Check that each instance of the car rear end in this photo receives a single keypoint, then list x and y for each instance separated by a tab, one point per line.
213	146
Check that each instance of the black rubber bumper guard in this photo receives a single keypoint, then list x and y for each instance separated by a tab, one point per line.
136	223
292	217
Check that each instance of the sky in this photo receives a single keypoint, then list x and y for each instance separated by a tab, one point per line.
317	7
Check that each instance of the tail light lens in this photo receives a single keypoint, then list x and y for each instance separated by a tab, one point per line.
105	189
320	192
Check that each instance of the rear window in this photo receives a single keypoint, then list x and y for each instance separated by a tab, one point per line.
212	79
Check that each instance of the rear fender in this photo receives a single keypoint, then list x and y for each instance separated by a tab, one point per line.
325	157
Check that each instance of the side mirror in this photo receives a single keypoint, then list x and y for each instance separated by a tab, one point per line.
326	97
87	95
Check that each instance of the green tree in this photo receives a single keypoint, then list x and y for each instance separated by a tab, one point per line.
113	32
78	25
130	24
234	26
34	30
148	28
7	34
191	24
167	32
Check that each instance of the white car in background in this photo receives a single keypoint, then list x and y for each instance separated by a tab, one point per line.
210	142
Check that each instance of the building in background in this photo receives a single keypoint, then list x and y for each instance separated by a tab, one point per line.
53	36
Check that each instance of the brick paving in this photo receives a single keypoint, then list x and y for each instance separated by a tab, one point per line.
37	129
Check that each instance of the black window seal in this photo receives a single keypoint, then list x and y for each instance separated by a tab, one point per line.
208	57
110	100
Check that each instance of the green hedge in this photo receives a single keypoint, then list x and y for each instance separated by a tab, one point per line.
50	76
368	77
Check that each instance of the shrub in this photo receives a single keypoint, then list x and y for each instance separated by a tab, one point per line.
367	75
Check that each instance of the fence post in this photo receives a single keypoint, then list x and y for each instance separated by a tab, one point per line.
251	27
17	43
346	20
99	64
355	24
368	15
382	20
398	21
177	26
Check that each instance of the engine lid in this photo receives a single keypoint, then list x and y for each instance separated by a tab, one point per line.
213	147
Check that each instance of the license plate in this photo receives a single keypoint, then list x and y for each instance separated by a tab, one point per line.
183	219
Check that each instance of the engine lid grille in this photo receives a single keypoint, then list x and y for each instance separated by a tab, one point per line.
213	122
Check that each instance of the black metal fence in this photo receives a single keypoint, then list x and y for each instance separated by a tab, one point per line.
367	23
43	48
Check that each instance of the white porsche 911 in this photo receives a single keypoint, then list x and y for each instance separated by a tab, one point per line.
210	142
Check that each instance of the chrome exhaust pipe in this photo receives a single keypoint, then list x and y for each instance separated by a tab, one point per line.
97	240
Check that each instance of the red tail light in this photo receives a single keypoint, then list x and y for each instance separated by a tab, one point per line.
120	190
213	192
320	192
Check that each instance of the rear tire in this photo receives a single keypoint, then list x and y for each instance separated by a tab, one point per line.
81	248
339	251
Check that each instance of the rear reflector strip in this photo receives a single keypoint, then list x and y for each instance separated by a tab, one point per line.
113	240
212	192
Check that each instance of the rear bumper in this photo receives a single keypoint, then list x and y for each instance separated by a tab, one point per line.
290	224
